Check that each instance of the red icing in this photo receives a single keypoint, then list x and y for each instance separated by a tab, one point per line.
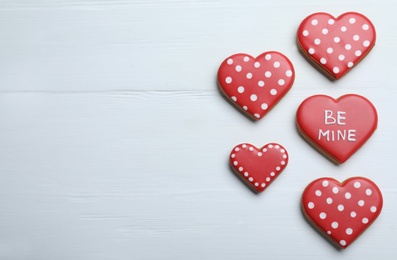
258	167
336	44
337	127
342	211
255	85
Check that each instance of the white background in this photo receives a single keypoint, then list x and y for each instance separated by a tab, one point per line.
114	138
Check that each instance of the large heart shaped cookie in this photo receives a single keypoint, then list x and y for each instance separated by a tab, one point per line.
337	127
342	211
336	44
255	85
258	167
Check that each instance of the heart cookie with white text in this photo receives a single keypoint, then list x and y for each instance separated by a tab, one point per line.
255	85
342	211
336	44
258	167
338	127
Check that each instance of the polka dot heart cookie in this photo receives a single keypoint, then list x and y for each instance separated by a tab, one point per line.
342	211
255	85
337	127
258	167
336	44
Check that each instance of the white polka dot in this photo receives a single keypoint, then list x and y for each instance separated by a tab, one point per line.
268	74
237	149
349	231
373	209
264	150
244	146
361	203
331	21
335	190
323	61
288	73
267	179
325	31
283	151
323	215
334	224
365	27
314	22
253	97
353	214
285	156
282	162
364	220
348	195
336	39
368	192
251	149
305	33
358	53
325	183
272	174
281	82
329	200
228	80
233	155
257	64
251	179
335	70
318	193
273	92
235	163
366	43
245	107
311	51
238	68
341	207
341	57
257	115
356	37
263	185
348	46
357	185
330	50
276	64
350	64
249	75
352	20
259	154
246	59
310	205
317	41
277	146
234	98
246	174
278	168
240	89
270	146
261	83
264	106
256	184
342	243
268	57
240	169
343	29
329	232
230	61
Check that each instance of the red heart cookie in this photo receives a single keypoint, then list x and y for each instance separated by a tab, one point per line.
342	211
258	167
336	44
337	127
255	85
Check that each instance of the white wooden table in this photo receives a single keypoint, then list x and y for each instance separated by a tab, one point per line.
114	138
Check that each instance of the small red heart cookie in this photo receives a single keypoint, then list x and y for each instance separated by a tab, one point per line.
258	167
336	44
337	127
255	85
342	211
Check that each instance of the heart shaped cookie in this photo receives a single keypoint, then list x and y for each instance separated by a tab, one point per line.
255	85
342	211
258	167
336	44
337	127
